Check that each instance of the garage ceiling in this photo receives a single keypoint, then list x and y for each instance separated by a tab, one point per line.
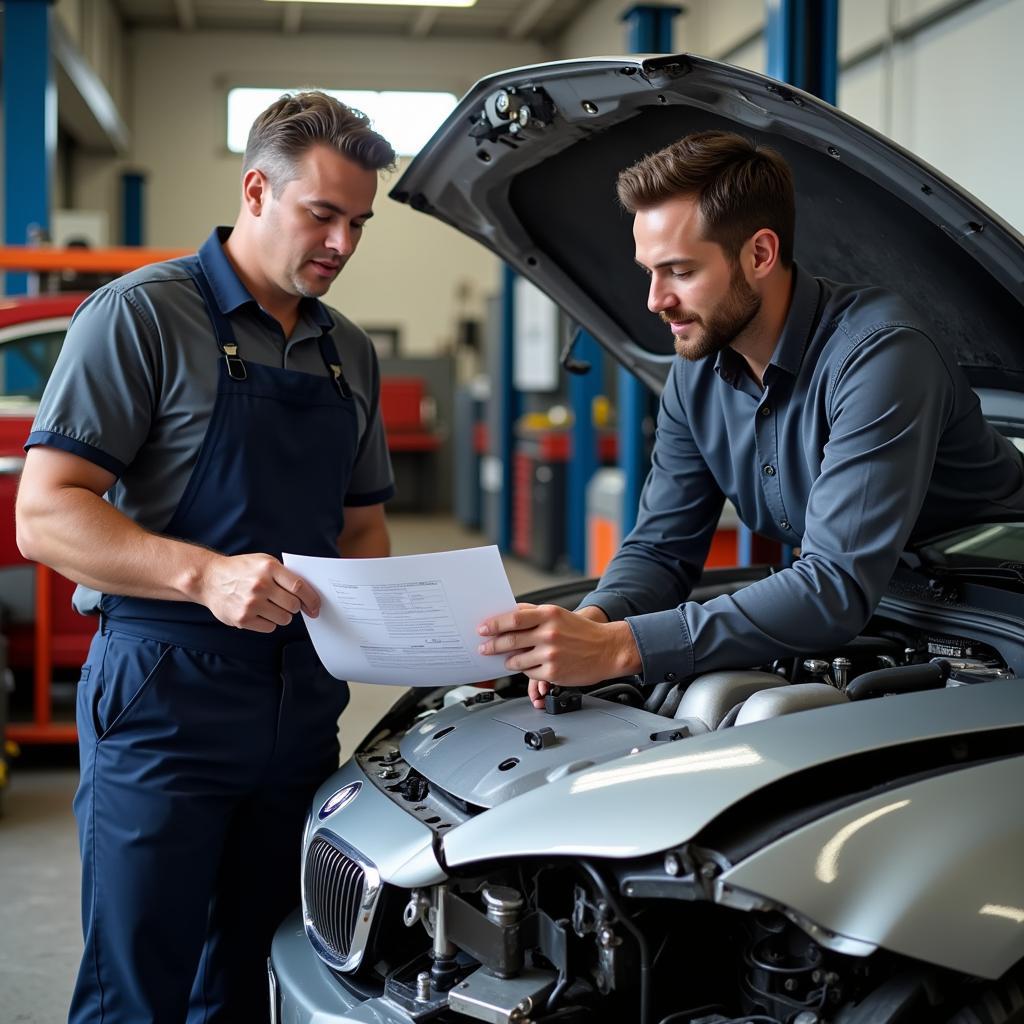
536	20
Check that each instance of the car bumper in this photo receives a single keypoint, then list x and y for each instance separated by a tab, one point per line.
304	991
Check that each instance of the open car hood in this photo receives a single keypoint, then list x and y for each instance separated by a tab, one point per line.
542	196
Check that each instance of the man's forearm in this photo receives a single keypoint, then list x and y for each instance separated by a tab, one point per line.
87	540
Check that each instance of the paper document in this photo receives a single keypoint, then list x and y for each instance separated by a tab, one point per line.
410	620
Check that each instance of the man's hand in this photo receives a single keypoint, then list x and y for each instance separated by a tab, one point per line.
255	592
555	646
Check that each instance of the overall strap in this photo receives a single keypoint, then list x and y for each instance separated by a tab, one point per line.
223	331
329	354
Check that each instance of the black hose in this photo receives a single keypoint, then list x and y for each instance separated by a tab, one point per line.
658	694
903	679
730	718
615	690
556	993
645	957
670	704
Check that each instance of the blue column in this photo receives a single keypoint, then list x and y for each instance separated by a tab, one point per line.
509	402
802	41
650	27
30	125
650	31
133	193
583	389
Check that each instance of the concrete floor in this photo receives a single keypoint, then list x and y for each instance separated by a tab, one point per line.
40	933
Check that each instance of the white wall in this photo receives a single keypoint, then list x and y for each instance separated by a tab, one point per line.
95	26
949	94
409	266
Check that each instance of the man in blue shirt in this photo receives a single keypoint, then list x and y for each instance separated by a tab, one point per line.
827	413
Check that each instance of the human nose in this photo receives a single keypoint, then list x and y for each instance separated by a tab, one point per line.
659	297
342	239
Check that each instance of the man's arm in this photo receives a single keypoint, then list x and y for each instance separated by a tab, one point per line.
63	521
365	534
656	567
890	401
662	558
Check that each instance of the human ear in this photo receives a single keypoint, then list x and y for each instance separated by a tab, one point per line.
255	190
764	252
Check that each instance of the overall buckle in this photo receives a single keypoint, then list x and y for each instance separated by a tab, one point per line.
235	363
339	381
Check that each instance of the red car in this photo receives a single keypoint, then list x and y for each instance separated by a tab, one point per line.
42	630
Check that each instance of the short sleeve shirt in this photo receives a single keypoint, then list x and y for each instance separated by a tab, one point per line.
134	386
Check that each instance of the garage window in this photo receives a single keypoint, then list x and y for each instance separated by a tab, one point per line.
405	119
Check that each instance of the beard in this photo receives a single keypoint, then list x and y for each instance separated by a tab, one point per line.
310	289
723	325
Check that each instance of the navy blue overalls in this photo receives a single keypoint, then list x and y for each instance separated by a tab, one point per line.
202	744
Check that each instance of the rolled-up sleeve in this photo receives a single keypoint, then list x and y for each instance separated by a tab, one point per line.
888	403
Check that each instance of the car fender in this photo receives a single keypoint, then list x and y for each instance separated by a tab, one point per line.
933	870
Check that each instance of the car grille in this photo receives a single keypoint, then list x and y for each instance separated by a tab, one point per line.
339	892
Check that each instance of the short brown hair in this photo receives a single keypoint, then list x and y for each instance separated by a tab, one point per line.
283	133
740	187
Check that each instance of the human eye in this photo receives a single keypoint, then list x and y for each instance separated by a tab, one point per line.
682	275
319	218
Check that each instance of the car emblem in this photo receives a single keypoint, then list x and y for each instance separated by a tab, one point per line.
342	798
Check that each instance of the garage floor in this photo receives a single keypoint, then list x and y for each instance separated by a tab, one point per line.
40	935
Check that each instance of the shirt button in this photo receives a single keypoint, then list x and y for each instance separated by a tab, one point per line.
784	523
670	677
769	471
766	410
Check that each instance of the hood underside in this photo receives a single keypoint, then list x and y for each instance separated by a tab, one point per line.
542	196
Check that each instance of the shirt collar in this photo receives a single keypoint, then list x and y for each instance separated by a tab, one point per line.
792	343
228	289
803	310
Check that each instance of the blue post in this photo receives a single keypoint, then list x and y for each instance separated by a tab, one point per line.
650	27
30	126
650	31
508	403
133	191
802	39
583	389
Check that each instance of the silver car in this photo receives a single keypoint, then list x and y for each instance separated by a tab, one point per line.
837	837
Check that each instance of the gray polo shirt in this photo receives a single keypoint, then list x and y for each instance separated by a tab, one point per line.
135	383
865	438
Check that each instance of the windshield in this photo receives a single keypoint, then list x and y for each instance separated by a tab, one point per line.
986	545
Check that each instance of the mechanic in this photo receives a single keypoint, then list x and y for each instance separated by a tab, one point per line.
827	413
226	415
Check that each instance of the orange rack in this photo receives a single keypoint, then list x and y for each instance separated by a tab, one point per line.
58	636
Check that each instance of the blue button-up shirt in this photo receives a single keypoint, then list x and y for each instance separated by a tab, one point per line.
866	436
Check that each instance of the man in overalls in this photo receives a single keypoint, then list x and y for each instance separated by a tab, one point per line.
205	415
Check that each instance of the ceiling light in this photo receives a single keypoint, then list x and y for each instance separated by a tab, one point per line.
387	3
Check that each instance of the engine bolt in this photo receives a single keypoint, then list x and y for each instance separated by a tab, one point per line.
423	987
388	773
502	904
672	865
502	102
789	984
